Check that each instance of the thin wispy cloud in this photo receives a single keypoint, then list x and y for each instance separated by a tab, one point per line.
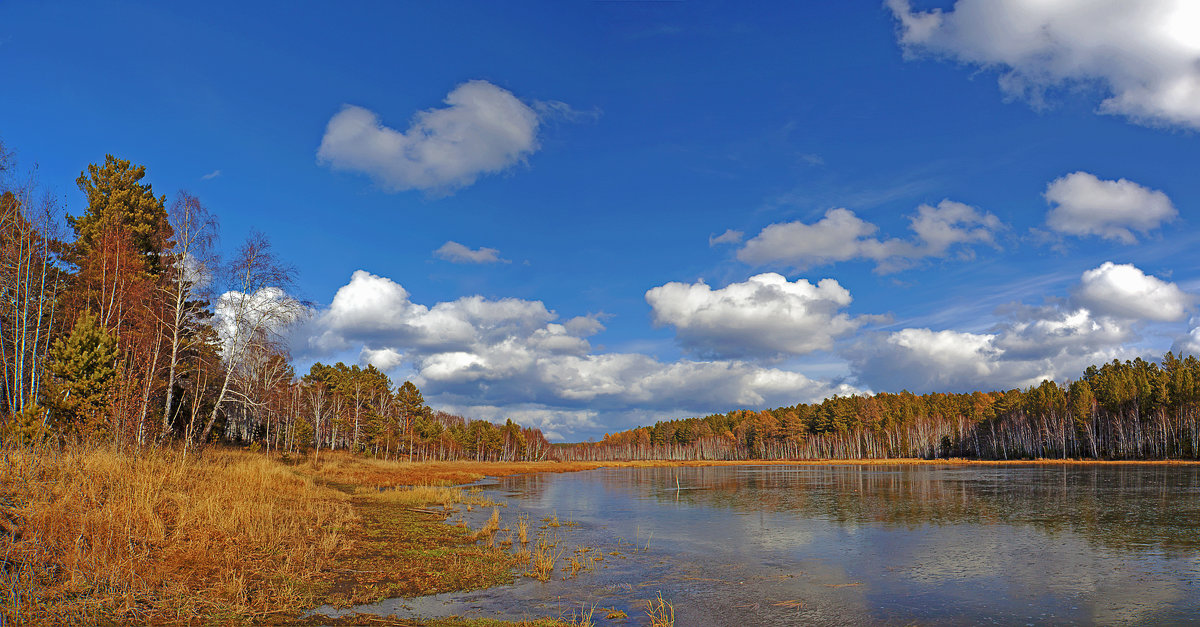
457	253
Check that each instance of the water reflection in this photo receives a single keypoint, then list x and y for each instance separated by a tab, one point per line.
855	544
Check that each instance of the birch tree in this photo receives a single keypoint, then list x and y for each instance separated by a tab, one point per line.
185	286
253	313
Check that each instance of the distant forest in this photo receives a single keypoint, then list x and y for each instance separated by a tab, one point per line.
1131	410
126	329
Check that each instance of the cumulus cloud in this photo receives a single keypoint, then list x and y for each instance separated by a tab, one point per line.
512	353
730	236
1082	204
765	316
843	236
1189	344
483	129
457	253
1056	341
1145	55
1034	333
1124	291
384	359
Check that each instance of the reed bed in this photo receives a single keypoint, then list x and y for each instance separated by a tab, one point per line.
159	536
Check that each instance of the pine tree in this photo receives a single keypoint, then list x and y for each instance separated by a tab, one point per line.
83	372
117	198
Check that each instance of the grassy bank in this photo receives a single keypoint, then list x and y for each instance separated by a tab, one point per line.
88	535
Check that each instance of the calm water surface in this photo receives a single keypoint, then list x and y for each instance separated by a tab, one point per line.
854	544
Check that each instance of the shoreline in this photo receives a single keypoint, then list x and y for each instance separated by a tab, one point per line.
342	531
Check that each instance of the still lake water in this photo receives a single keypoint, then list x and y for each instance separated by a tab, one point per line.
858	544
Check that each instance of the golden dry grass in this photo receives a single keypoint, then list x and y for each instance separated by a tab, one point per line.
661	613
523	528
544	557
162	537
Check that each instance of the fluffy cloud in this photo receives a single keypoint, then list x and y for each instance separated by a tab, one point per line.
1055	332
1082	204
1124	291
483	129
922	360
842	236
1190	343
1144	54
765	316
457	253
510	353
1029	344
372	309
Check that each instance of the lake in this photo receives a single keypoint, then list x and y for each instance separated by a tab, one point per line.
850	544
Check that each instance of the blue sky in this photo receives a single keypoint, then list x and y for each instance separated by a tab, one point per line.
589	216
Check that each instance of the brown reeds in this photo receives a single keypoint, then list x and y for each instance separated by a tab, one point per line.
661	613
159	536
544	557
523	528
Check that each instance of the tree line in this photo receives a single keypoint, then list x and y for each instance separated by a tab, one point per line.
1120	410
127	328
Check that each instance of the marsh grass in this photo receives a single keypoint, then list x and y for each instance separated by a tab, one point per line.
544	557
573	567
661	613
523	528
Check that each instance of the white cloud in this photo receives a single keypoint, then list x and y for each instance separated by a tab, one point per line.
1057	341
457	253
1144	54
843	236
922	360
511	353
1190	343
1124	291
730	236
1082	204
484	129
1048	333
384	359
765	316
211	175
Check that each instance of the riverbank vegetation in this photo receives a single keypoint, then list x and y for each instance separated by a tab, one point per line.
168	536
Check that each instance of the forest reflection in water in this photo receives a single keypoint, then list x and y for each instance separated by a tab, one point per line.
855	544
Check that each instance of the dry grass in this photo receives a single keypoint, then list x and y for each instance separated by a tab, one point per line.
660	612
161	536
422	495
523	528
545	556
